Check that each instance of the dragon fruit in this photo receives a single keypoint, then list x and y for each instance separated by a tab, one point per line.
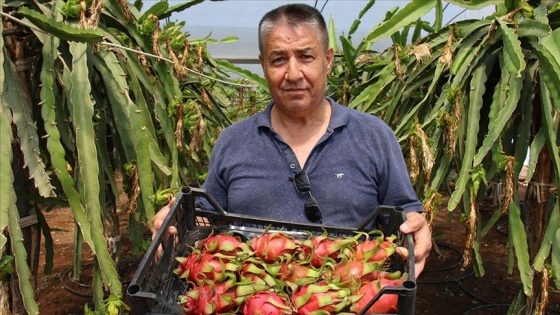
351	271
296	274
218	298
322	298
325	247
200	266
375	250
267	303
274	246
186	264
190	302
209	299
258	272
226	244
387	303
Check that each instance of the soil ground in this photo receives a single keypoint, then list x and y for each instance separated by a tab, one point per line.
445	287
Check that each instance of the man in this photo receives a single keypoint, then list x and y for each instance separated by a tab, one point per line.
306	158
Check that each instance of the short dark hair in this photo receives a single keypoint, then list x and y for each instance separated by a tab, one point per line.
293	15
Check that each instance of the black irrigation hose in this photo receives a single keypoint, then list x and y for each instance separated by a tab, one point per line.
453	280
469	292
493	305
457	280
71	290
457	263
83	285
485	306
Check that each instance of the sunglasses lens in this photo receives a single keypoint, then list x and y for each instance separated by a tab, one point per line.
310	207
302	182
312	212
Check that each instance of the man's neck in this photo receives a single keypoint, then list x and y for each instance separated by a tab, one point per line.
301	131
314	117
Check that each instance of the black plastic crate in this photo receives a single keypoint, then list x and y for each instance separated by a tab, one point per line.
154	288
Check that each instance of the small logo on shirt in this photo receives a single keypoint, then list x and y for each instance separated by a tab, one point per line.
339	175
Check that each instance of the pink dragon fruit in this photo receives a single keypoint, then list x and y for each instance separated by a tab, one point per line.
375	250
349	272
267	303
205	299
218	298
258	272
200	266
387	303
322	298
226	244
274	246
296	274
186	264
325	247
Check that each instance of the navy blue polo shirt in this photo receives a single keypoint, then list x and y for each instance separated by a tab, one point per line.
356	166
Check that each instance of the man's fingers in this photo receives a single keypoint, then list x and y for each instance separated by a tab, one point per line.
160	216
417	226
414	222
157	221
419	261
171	202
172	230
403	252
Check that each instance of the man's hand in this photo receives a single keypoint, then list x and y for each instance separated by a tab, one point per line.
418	226
157	221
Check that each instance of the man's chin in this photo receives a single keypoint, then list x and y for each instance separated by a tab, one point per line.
297	105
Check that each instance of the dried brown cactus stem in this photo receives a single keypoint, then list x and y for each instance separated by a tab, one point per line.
477	177
470	225
510	184
413	164
542	299
179	129
427	156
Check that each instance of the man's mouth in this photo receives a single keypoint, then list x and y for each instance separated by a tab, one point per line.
294	91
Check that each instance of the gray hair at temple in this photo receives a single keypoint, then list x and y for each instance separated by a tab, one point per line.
293	15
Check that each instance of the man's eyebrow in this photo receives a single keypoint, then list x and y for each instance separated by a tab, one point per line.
305	50
277	52
283	51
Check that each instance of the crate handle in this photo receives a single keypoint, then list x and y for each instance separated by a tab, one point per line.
190	194
395	216
406	298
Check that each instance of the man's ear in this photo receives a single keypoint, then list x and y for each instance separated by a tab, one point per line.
330	59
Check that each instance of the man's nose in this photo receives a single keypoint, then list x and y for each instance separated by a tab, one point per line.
293	71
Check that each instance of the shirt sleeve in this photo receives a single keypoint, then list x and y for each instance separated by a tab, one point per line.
214	183
397	189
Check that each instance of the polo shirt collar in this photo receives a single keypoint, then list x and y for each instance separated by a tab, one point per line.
339	116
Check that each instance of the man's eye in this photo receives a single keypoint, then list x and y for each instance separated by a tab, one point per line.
277	61
307	57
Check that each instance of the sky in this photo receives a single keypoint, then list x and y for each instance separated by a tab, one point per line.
240	18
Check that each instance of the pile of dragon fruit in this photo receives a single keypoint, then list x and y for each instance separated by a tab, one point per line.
275	273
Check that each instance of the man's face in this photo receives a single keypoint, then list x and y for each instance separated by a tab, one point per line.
296	66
